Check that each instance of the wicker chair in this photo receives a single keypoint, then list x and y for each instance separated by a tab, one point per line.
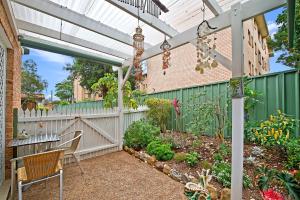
40	167
70	151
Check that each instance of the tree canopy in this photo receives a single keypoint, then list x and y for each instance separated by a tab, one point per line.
31	82
289	57
64	90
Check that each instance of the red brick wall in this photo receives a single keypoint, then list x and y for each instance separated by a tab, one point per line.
13	83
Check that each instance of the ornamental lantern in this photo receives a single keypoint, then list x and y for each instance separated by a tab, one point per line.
165	47
138	45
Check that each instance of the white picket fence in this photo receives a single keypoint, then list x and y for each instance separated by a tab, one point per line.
100	128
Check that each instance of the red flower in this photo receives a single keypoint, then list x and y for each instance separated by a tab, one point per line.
271	194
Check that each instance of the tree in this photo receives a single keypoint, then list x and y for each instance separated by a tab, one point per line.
289	57
90	72
31	82
64	90
108	85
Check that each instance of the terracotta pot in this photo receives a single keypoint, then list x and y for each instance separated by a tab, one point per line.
31	105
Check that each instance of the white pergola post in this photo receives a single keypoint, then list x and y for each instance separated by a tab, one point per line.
120	107
237	105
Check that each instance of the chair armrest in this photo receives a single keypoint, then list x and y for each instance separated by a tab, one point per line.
69	141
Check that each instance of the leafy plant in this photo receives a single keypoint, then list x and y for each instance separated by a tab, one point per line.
292	148
290	184
222	172
205	164
139	134
192	159
180	157
159	112
161	151
108	86
276	130
218	157
266	175
224	150
196	143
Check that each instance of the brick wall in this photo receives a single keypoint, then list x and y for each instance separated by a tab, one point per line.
13	83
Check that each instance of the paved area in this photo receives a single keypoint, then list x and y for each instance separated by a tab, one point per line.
114	176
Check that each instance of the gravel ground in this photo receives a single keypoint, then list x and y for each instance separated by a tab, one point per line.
114	176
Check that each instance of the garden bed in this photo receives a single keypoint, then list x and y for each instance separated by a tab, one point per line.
207	147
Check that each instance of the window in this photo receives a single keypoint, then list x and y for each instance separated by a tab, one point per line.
259	57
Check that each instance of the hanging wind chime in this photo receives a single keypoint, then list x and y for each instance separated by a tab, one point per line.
205	45
165	47
138	45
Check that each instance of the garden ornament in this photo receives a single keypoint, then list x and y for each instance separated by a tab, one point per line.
176	106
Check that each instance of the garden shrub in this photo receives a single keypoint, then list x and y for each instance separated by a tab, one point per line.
196	143
180	157
276	130
222	172
292	148
192	159
159	111
139	134
161	151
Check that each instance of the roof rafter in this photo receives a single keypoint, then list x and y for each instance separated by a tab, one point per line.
55	47
213	6
27	26
78	19
146	18
222	21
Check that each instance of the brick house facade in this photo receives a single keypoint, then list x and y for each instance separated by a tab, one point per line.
12	89
183	60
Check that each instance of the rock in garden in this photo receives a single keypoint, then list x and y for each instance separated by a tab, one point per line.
137	154
185	178
126	148
225	194
175	175
151	160
131	151
213	192
167	169
143	156
159	166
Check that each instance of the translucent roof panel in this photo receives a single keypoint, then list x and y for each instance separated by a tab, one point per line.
182	15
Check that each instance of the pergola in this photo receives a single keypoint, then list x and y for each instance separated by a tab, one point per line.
101	30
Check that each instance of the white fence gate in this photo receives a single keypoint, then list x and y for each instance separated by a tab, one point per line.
100	128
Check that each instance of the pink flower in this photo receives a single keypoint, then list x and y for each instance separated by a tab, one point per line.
271	194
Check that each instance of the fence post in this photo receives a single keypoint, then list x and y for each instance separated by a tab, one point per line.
120	108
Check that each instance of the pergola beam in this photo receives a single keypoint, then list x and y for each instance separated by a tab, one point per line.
222	21
78	19
213	6
146	18
46	45
27	26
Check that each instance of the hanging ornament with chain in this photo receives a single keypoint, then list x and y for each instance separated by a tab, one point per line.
205	45
138	45
165	47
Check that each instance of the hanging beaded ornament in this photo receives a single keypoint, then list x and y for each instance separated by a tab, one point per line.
165	47
205	46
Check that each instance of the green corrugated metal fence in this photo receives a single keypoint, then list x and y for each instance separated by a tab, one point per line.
279	91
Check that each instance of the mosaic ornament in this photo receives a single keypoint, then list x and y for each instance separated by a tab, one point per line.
138	45
166	47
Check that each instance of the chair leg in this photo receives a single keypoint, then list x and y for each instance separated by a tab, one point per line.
61	185
20	190
77	161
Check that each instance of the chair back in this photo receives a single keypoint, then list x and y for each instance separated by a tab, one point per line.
42	165
75	142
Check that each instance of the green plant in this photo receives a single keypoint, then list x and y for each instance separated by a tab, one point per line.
276	130
224	150
169	140
196	143
222	172
218	157
292	148
265	177
180	157
161	151
108	86
205	164
250	128
192	159
139	134
159	111
290	184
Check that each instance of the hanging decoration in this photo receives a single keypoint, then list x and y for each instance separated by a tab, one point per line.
205	45
152	7
138	45
166	47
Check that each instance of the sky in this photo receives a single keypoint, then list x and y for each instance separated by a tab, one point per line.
50	65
